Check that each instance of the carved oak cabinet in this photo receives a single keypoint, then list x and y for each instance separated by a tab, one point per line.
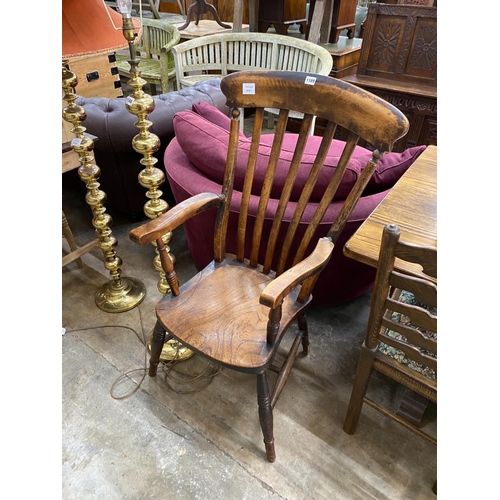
398	62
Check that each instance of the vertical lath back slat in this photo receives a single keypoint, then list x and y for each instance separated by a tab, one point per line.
305	196
258	53
267	185
287	189
233	56
247	186
221	53
209	56
204	57
352	198
222	219
249	57
328	196
296	61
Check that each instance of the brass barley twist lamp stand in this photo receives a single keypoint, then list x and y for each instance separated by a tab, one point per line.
146	143
121	293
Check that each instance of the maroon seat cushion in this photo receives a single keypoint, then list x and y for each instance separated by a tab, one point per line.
205	143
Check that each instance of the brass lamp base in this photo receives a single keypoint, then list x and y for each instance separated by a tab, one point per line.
172	349
115	298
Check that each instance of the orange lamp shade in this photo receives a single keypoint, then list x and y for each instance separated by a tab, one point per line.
87	29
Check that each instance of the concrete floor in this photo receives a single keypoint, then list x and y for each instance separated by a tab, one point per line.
128	436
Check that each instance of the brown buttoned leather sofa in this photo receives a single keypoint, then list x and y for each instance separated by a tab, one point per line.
113	125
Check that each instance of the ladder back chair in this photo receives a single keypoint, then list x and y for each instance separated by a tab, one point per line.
154	52
401	336
236	311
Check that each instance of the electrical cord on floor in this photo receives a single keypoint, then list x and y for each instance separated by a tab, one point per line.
168	367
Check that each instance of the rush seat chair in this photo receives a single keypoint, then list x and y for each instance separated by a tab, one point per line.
401	336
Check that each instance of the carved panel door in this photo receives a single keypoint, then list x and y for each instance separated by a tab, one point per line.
403	44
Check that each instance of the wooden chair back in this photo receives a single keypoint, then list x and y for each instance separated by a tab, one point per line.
401	336
421	312
154	51
157	37
339	104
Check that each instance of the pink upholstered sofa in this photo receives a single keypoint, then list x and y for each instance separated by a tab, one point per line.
195	160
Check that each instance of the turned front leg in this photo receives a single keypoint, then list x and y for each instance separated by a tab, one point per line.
266	415
156	347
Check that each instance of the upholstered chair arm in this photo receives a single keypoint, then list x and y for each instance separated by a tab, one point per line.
155	229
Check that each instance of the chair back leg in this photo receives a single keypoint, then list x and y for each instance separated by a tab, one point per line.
302	322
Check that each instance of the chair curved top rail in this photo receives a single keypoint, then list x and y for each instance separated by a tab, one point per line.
351	107
158	36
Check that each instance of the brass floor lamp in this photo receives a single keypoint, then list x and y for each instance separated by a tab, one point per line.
146	143
83	36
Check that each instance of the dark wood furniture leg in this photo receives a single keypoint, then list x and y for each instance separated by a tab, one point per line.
68	236
412	407
302	322
253	15
266	415
202	7
159	336
363	374
263	27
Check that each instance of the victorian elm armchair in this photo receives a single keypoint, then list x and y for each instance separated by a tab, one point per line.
236	311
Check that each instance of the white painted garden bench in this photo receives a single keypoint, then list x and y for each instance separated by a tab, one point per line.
223	53
217	55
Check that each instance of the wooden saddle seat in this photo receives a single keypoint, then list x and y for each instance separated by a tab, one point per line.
236	311
244	344
154	51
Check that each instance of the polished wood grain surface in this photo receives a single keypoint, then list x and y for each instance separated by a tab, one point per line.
412	205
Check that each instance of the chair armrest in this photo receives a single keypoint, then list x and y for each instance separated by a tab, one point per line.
176	216
274	293
176	38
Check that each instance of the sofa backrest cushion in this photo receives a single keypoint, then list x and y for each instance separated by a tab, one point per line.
214	115
206	143
389	169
